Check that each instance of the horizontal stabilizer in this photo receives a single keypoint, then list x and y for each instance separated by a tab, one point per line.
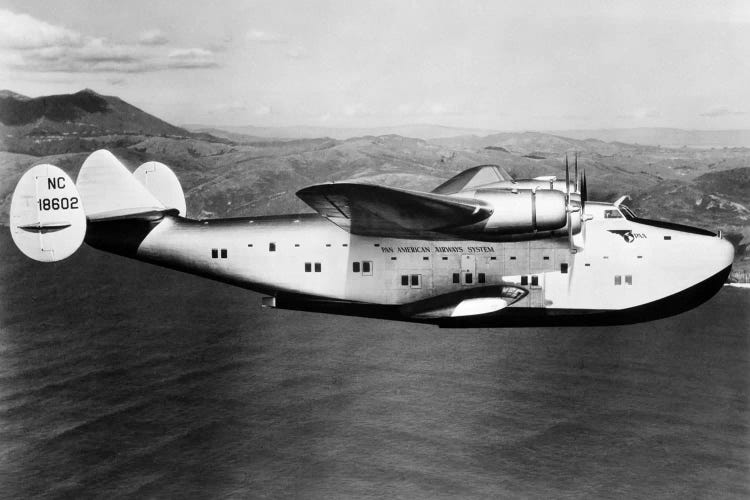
371	210
47	220
109	190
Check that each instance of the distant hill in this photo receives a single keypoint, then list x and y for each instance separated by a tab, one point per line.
535	145
417	131
68	122
667	137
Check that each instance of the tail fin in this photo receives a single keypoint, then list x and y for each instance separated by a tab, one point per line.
163	184
47	221
109	191
48	211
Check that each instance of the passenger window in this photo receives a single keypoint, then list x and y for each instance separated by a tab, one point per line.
355	267
317	267
618	280
404	280
223	253
612	214
272	247
524	280
214	253
628	279
564	268
480	278
367	268
456	278
535	281
416	281
468	278
308	267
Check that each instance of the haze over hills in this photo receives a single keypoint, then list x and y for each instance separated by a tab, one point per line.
666	137
237	175
645	136
417	131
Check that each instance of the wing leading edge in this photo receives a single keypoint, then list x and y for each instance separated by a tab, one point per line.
370	210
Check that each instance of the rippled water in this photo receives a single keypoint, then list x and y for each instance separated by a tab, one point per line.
120	379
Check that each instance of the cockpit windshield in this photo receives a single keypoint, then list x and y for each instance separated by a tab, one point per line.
627	212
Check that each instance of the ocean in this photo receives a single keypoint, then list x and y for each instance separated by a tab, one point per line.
122	380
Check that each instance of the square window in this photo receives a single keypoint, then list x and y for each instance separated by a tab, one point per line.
367	268
667	237
296	245
524	280
564	268
416	280
308	267
355	267
535	281
328	244
272	247
618	280
404	280
628	279
456	278
393	258
214	253
480	278
425	258
223	253
493	258
546	257
250	245
468	278
512	257
317	267
445	258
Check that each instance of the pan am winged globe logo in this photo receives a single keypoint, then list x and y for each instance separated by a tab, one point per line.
626	234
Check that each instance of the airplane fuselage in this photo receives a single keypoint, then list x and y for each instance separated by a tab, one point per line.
629	271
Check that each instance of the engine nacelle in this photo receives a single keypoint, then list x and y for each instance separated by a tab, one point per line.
522	211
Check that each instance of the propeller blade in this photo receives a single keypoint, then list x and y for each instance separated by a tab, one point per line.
575	176
568	207
584	191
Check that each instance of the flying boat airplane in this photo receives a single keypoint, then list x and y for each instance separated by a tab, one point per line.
480	250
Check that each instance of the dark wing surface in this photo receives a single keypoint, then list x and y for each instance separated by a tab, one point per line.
371	210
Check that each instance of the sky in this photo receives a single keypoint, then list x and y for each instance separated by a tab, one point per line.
502	65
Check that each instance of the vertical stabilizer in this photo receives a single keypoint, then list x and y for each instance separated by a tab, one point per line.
109	190
163	184
47	221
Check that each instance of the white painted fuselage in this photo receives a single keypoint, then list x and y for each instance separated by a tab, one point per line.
623	263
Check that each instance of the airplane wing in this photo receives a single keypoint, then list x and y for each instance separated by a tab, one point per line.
371	210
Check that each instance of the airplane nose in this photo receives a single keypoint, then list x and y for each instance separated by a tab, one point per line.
724	252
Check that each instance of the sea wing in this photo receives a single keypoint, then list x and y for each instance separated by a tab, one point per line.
371	210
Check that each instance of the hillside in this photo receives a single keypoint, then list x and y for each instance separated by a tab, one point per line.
75	122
